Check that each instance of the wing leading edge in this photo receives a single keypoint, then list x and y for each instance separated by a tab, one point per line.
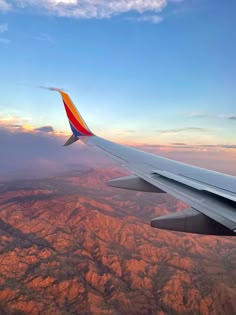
211	195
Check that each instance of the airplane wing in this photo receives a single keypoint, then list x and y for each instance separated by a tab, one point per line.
210	195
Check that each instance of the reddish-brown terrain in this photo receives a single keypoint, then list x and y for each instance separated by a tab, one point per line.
72	245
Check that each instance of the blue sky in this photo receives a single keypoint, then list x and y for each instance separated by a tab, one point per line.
139	71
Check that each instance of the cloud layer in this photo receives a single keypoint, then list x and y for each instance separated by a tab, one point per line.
91	8
28	152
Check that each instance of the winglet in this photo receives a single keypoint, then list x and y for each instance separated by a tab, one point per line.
77	124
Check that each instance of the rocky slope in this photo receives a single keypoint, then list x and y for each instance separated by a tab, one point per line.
72	245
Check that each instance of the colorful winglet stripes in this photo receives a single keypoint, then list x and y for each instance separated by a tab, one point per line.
77	124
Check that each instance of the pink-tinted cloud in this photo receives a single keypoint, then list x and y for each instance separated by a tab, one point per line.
28	153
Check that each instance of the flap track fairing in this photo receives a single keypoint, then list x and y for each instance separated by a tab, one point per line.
133	182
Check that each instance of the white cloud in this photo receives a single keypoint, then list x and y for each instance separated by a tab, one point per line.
4	5
95	8
3	27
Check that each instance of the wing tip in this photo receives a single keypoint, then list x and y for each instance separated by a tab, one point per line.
52	88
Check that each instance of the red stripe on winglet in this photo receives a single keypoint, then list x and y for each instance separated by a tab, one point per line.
75	122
